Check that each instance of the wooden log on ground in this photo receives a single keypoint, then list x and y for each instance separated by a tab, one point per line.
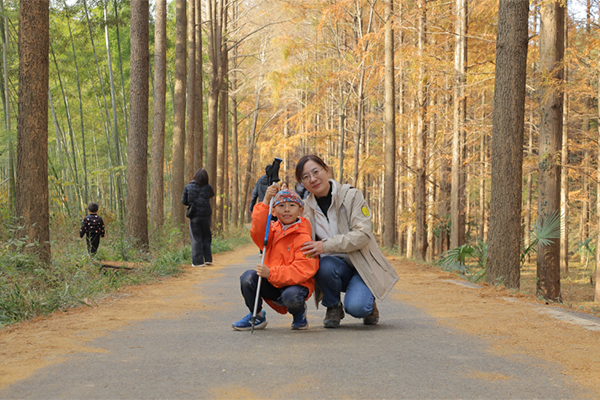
116	264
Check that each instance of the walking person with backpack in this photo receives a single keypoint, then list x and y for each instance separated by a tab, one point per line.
350	260
197	195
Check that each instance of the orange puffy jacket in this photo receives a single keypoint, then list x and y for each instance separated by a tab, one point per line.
287	265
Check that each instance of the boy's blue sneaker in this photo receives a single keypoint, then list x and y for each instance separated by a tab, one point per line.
245	324
300	321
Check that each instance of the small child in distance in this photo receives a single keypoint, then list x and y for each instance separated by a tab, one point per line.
92	227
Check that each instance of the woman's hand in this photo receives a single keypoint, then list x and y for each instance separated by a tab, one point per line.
263	271
271	191
312	249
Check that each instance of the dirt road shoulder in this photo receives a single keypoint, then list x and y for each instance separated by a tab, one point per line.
511	322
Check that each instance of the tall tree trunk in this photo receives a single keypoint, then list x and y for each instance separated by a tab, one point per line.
7	117
179	103
342	130
503	265
585	190
360	97
251	146
215	45
527	227
389	207
457	232
32	204
482	175
137	151
191	94
157	184
597	288
222	146
199	103
421	137
236	218
410	193
444	179
223	139
552	18
564	175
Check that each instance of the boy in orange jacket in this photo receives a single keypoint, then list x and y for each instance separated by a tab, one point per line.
287	273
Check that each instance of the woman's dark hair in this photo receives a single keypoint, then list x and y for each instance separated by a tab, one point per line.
304	160
201	177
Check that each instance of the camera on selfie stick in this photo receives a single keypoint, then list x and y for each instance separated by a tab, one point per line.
273	171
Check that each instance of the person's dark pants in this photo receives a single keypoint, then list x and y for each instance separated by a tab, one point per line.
200	238
93	241
291	297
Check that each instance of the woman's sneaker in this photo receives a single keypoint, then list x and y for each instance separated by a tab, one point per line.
245	324
300	321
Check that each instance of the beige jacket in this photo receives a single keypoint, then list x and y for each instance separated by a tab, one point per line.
353	218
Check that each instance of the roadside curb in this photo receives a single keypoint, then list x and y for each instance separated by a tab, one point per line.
584	320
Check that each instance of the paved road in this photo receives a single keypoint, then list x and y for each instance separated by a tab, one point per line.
198	355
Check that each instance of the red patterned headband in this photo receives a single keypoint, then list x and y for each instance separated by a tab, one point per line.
287	195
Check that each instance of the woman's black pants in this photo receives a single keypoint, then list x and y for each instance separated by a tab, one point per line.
201	238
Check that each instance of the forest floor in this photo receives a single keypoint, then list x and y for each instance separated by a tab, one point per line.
512	322
576	286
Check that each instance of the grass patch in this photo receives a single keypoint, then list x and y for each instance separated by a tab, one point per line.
29	289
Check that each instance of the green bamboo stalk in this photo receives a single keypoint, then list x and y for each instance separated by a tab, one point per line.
60	136
114	203
120	193
80	110
111	171
71	135
121	70
6	98
60	190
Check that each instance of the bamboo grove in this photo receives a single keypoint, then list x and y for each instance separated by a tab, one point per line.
142	94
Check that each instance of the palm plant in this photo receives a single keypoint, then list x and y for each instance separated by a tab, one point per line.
544	233
470	260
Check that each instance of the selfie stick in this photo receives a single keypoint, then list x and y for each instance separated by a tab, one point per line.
273	177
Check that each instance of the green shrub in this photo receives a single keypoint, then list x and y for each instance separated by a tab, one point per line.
28	288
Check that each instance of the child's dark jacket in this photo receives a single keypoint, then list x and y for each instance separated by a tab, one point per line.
92	225
287	265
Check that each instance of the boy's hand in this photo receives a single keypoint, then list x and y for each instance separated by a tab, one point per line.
271	191
263	271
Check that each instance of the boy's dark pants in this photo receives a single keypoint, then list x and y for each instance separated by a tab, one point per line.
291	297
93	241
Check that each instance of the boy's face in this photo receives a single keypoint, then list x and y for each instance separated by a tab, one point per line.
287	212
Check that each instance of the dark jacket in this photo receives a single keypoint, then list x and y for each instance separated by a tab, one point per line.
92	225
199	196
262	184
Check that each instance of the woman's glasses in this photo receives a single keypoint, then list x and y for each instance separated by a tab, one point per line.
312	174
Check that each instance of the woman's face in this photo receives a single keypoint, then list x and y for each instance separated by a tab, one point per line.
315	179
